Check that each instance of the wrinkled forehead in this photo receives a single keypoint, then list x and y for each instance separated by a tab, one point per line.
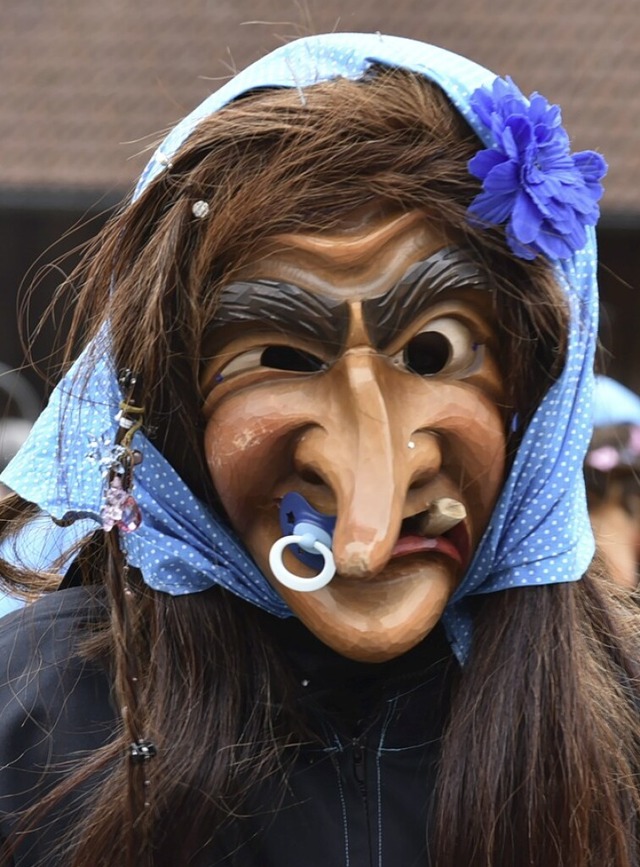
379	265
361	257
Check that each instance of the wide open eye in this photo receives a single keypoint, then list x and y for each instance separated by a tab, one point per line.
274	357
446	346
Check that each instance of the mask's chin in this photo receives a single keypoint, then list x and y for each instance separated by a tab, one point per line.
380	618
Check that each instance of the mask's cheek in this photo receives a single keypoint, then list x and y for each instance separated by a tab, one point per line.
249	444
475	456
470	429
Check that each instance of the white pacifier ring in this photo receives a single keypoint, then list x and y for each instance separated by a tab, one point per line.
295	582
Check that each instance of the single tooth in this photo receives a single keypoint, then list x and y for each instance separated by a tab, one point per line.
442	515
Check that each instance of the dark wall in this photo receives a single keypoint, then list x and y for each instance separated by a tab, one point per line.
37	247
619	277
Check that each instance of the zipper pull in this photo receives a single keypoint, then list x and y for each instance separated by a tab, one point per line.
358	760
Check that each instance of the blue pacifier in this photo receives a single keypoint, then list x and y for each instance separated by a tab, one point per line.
310	534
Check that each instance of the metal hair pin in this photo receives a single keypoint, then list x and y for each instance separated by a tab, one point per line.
164	160
200	209
142	751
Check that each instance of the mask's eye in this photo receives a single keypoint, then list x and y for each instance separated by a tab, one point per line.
274	357
446	346
289	358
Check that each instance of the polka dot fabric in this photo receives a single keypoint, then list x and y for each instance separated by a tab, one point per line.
180	546
539	532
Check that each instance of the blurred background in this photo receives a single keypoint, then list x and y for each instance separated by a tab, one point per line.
87	88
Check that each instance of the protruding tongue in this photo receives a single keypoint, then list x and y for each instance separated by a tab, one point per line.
416	544
427	530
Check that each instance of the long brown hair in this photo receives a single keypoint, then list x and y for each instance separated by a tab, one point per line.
529	774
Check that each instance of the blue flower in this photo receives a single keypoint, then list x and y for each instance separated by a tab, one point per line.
532	183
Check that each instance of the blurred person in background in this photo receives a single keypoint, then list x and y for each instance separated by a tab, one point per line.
612	468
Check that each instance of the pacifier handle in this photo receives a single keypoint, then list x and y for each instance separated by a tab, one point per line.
295	582
310	538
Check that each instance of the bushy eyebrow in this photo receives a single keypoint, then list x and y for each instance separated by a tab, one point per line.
291	309
284	307
448	268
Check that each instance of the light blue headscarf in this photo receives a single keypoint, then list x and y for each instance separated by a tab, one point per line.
539	532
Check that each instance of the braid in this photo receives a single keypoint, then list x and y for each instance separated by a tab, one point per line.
139	750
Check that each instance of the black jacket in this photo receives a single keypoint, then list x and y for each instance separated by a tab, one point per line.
361	797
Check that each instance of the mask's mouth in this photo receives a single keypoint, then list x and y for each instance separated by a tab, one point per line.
441	528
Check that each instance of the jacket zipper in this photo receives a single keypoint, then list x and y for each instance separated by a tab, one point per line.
358	766
360	775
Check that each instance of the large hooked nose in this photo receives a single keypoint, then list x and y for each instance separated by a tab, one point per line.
367	452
